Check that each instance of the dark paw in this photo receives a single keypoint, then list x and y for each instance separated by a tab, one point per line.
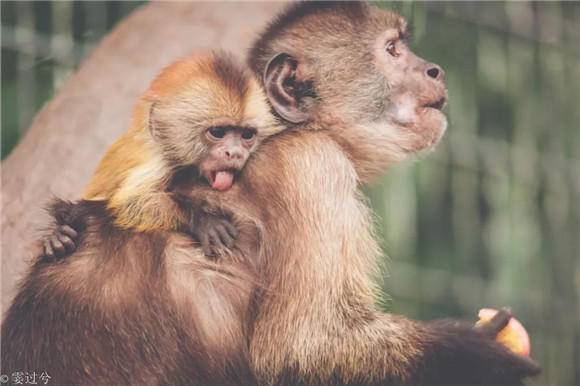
60	243
519	365
215	233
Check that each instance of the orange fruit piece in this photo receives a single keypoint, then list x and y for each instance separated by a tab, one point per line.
514	336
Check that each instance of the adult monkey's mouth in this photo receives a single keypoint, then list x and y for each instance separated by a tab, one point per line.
438	104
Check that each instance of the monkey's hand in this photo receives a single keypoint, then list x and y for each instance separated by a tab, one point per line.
215	233
494	327
465	354
69	223
60	242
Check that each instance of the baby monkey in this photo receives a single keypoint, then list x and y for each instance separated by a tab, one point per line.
201	118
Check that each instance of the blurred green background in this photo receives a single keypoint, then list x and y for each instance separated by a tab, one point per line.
491	218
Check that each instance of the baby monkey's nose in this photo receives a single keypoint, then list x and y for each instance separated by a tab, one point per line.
234	154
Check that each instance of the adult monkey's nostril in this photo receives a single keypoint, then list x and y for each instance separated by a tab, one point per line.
435	72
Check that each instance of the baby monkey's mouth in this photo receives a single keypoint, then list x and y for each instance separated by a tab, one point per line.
438	104
222	179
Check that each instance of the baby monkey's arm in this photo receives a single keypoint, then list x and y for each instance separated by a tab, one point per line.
212	228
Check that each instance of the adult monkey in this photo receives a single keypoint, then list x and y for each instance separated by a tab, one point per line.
344	71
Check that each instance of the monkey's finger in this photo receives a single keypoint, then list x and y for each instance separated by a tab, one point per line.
69	245
225	236
497	323
57	245
215	239
48	252
232	230
205	245
68	231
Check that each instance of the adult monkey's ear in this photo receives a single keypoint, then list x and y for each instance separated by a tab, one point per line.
283	88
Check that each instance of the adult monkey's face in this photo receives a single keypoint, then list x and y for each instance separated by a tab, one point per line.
349	64
415	88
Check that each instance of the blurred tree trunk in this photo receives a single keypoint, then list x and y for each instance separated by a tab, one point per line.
69	135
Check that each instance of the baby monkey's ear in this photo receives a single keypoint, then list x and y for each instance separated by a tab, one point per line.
285	90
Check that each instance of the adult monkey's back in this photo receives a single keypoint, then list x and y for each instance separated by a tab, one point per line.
343	74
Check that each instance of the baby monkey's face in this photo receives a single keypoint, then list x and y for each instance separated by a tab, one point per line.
208	112
213	141
228	149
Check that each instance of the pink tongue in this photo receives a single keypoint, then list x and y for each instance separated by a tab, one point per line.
223	180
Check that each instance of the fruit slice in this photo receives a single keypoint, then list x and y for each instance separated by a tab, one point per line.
514	336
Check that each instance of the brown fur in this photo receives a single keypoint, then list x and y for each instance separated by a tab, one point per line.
313	320
317	323
336	43
132	308
98	308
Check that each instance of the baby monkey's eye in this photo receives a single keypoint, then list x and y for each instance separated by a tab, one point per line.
248	134
217	132
391	48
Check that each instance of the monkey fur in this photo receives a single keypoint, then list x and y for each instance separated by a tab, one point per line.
138	303
359	100
168	139
312	318
131	308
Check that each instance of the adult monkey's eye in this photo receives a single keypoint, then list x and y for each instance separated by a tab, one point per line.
391	48
248	134
217	132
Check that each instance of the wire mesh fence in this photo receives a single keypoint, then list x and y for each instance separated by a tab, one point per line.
492	217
